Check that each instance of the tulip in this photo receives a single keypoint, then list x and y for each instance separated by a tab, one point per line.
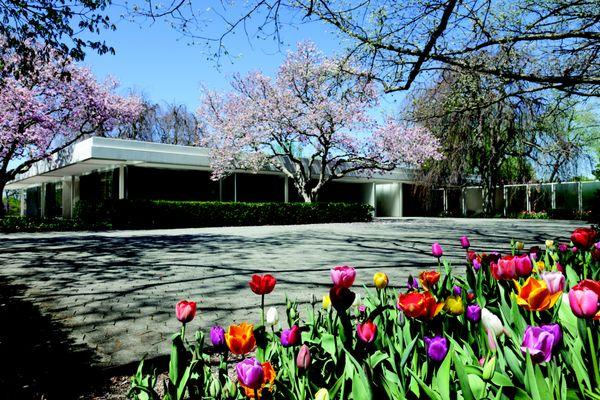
540	266
268	379
250	373
549	244
583	299
476	264
240	338
464	242
523	265
185	311
357	300
504	268
584	238
596	252
541	341
454	305
470	295
322	394
412	283
326	304
362	309
419	305
272	316
555	281
380	279
428	279
574	249
436	347
343	276
303	359
534	252
262	284
473	313
491	322
290	337
520	245
563	247
456	290
366	331
534	295
341	298
217	337
436	250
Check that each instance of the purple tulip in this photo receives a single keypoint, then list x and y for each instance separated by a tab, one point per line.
456	290
250	373
464	242
436	250
563	247
541	341
217	336
413	283
473	313
436	347
476	264
574	249
290	337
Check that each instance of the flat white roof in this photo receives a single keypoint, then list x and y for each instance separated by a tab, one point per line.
99	153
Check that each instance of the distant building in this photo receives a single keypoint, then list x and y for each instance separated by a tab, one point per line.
103	168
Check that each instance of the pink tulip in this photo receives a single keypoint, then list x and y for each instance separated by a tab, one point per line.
555	281
343	276
366	332
185	311
523	265
436	250
583	301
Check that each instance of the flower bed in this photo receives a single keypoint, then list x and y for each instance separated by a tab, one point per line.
523	325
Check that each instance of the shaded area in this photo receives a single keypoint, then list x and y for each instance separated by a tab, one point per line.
39	360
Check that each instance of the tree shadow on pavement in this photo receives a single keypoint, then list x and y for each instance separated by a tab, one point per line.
39	360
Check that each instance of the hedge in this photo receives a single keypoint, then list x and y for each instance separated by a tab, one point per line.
10	224
145	214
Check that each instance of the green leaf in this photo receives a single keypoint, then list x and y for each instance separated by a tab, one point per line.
376	358
443	375
428	391
463	379
530	379
328	344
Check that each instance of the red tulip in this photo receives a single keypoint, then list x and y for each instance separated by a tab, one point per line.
185	311
262	284
341	298
504	268
419	305
366	332
584	238
428	279
303	360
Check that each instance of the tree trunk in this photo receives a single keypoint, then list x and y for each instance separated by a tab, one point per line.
3	182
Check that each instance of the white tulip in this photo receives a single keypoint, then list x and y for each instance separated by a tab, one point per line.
357	300
491	322
272	316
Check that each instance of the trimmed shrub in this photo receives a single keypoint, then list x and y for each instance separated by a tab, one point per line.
145	214
10	224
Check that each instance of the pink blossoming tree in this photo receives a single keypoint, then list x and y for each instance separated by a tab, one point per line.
314	122
46	111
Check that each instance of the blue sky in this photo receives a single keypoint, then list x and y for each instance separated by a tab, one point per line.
158	61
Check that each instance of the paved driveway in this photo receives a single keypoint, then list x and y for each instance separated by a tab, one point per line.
114	292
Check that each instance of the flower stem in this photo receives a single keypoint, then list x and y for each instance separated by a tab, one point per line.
256	394
594	355
262	309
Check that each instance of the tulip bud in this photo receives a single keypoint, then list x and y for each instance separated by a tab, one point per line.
214	389
464	242
380	280
549	244
322	394
217	337
303	360
520	245
456	290
185	311
489	368
230	390
272	316
436	250
470	295
357	300
326	302
366	332
474	313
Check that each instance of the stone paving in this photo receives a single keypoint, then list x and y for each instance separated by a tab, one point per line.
115	291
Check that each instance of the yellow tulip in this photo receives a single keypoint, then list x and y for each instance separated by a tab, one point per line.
540	266
549	244
326	302
454	305
520	245
322	394
535	296
380	279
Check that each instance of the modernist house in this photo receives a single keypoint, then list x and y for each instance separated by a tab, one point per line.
99	168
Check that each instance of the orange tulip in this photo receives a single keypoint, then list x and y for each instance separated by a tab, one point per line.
535	296
240	338
428	279
419	305
268	379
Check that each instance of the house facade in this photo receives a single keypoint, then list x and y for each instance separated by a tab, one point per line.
105	168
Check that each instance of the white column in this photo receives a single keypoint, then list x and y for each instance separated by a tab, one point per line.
43	200
373	198
23	202
121	182
286	190
553	191
221	189
74	192
463	201
445	200
398	200
527	198
67	197
234	187
505	200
